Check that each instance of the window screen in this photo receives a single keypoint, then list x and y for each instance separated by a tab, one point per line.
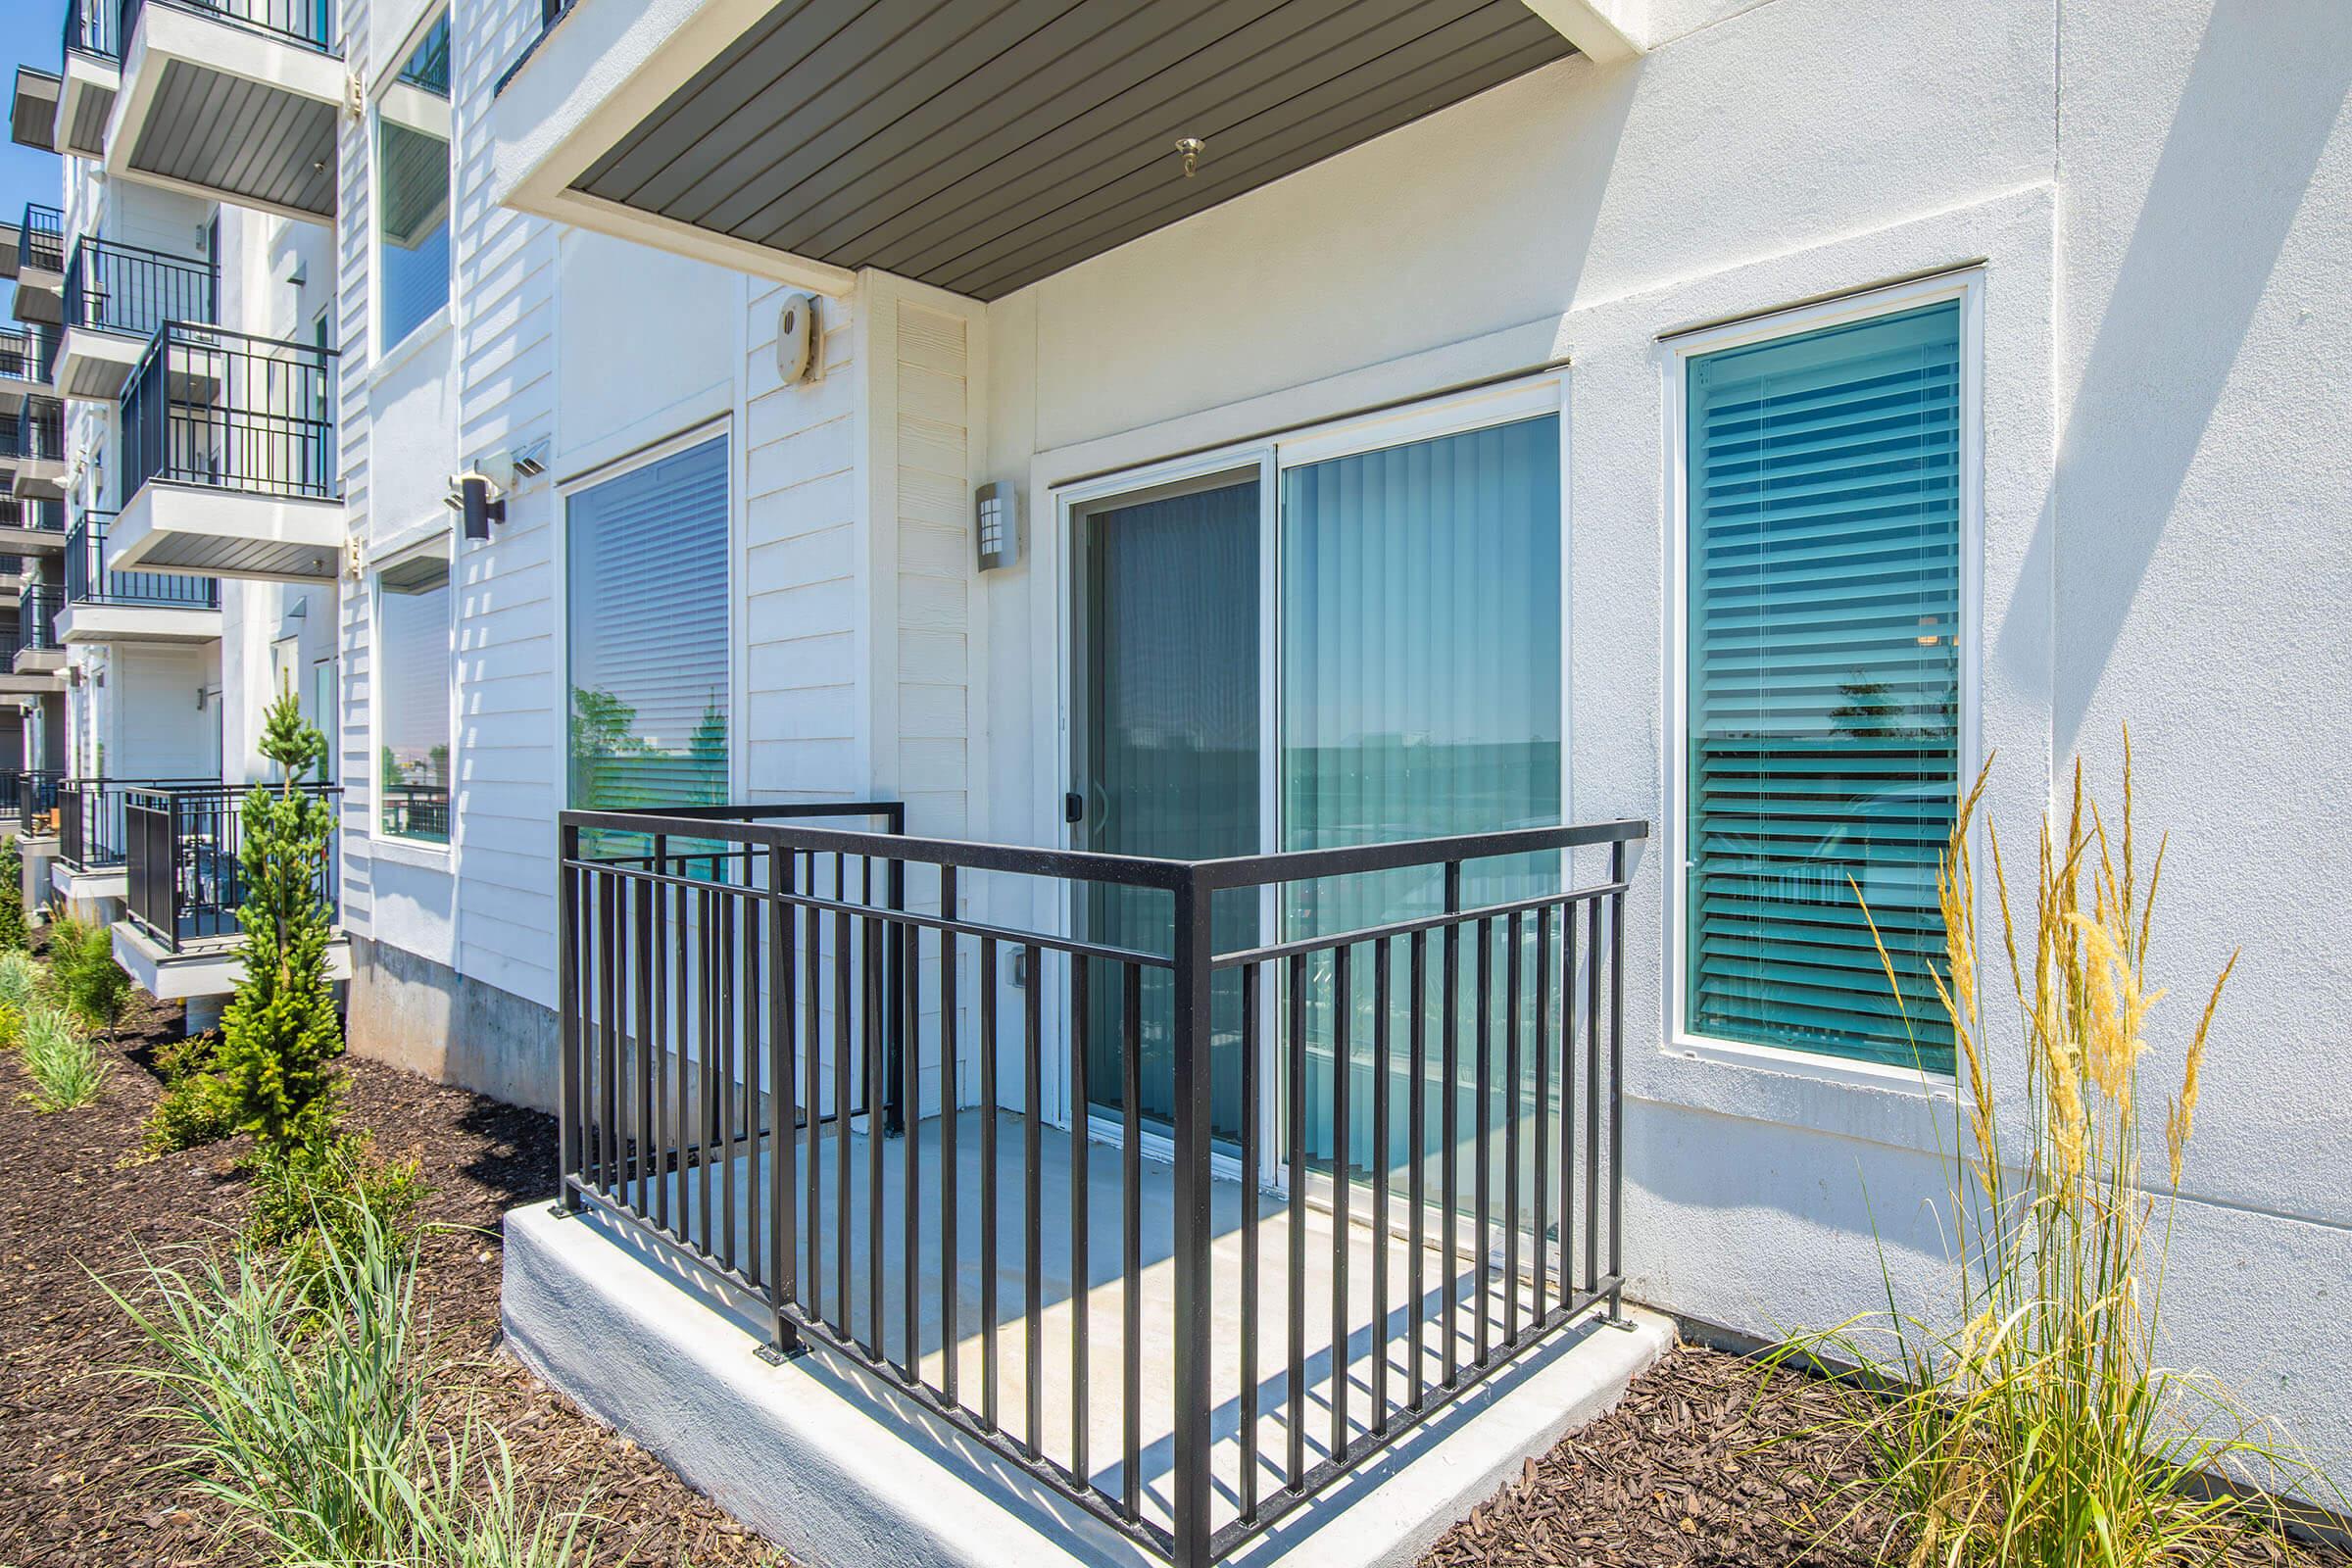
1823	670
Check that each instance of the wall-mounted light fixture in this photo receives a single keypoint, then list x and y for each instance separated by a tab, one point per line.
997	524
477	501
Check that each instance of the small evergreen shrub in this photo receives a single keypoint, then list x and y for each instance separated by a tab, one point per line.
66	1072
82	966
314	1202
12	896
193	1112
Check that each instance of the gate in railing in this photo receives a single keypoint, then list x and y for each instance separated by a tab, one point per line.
1427	1082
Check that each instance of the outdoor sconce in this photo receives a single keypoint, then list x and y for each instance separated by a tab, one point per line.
472	499
997	525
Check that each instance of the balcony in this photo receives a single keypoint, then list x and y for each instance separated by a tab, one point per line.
32	120
36	799
1181	1225
115	297
38	651
232	100
41	266
184	884
104	606
29	526
23	351
40	455
91	838
229	459
804	142
93	58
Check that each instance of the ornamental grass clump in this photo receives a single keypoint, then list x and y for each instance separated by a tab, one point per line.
66	1068
2031	1422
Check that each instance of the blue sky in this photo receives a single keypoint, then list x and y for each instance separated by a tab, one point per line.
30	34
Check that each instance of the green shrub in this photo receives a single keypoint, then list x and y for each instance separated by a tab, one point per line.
12	896
193	1112
279	1034
82	968
316	1201
66	1072
20	975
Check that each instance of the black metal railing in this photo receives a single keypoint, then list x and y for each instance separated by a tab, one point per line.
90	29
30	513
36	796
89	581
19	358
1386	1147
37	609
41	429
131	289
310	22
415	811
183	880
42	240
212	407
91	821
43	342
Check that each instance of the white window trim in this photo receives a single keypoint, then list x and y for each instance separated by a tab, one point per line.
421	853
389	355
1441	414
721	428
1674	355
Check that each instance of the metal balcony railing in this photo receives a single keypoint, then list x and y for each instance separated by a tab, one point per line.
183	880
114	287
41	429
42	342
37	609
90	823
20	512
89	582
208	406
309	23
17	356
1433	1057
90	29
42	240
37	794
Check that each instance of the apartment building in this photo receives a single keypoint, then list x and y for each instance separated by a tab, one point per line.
1090	443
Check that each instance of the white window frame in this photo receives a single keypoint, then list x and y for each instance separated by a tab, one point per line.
1503	402
417	108
442	545
1675	355
721	428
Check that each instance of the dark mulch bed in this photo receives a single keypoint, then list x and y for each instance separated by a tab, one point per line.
78	1483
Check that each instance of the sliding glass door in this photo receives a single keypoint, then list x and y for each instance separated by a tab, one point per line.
1414	667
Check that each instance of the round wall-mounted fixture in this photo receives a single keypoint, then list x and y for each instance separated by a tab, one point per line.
798	334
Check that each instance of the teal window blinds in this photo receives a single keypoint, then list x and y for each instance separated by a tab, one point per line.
646	556
1823	670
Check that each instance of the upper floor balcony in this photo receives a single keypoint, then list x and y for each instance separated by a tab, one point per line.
28	355
116	297
68	111
234	100
40	455
29	527
806	142
105	606
41	266
228	459
37	645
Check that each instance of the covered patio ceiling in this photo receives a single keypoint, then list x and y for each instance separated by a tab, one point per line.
980	147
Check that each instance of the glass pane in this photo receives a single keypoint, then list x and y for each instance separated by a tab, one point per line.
1421	697
1168	612
412	643
412	226
1825	678
646	603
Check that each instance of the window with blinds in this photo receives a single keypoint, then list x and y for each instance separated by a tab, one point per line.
1823	670
413	676
645	559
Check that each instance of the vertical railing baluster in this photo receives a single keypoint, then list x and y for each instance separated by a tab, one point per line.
845	1005
568	990
1191	1483
910	955
1510	1133
813	1095
1033	1227
706	1036
1130	1249
1448	1187
681	1109
1252	1184
988	1183
1568	1140
608	1008
1380	1187
1416	1177
950	1105
752	1058
1617	1081
1080	1293
1294	1280
722	1121
1543	1131
1481	1238
1592	1088
783	1241
644	946
1343	998
877	1006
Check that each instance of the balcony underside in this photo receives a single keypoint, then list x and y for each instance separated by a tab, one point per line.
40	296
33	113
20	540
211	970
11	241
30	684
138	623
39	660
225	112
93	364
978	154
39	479
86	104
200	532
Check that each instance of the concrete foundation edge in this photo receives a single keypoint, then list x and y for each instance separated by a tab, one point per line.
829	1465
